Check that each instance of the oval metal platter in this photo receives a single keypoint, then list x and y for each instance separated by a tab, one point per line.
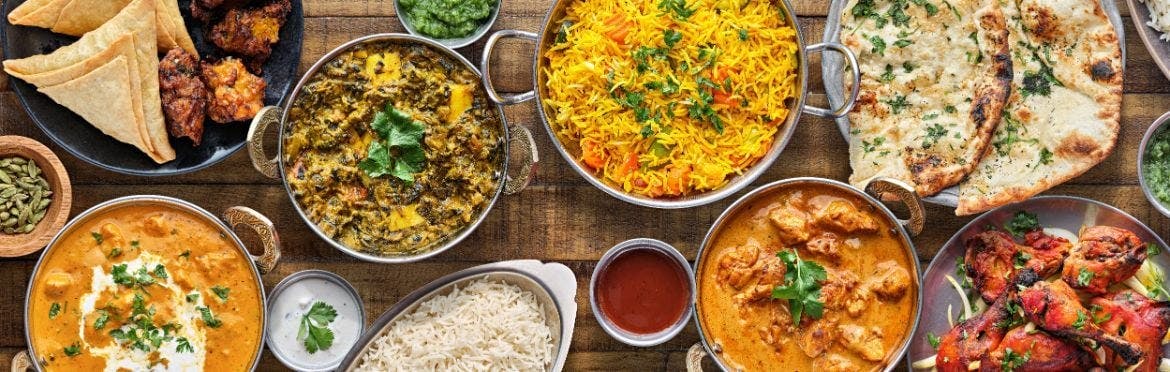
832	69
1065	212
86	142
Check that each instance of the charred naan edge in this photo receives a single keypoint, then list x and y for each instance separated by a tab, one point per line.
932	96
1047	139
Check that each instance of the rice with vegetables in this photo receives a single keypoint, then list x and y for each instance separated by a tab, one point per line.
667	98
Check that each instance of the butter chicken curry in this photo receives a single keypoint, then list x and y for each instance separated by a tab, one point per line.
145	288
806	278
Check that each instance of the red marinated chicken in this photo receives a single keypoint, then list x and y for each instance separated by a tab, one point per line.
1105	255
1055	308
993	259
970	340
1022	350
1137	319
183	94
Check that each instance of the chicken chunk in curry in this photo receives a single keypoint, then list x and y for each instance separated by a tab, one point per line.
864	303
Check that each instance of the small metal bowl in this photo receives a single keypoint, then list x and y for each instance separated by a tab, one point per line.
273	341
636	339
1156	128
450	43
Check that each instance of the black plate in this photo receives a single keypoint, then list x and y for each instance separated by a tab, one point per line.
84	141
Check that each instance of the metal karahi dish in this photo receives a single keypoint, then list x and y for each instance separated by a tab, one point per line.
255	266
1061	216
553	285
1155	129
548	38
507	181
900	231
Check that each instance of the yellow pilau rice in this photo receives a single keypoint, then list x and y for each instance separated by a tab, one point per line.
670	97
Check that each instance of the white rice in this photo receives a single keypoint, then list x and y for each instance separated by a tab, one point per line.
487	325
1159	16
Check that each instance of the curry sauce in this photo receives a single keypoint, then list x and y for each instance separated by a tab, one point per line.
141	287
869	294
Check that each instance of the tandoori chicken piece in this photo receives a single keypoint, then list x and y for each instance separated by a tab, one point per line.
994	259
1137	319
235	94
206	10
1105	255
251	32
183	94
1037	350
969	341
1055	308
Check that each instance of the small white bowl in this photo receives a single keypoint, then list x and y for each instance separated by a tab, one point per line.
1157	127
450	43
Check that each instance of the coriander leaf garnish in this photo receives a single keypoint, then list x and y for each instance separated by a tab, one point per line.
1021	223
1084	277
879	45
209	319
1021	259
160	271
933	340
678	8
802	287
314	328
73	350
1152	249
184	346
1013	360
399	153
897	104
671	37
97	237
1080	322
101	320
54	310
121	276
221	292
192	297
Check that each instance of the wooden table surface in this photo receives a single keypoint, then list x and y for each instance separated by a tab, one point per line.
559	217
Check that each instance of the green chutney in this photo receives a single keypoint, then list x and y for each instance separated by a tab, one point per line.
447	19
1157	166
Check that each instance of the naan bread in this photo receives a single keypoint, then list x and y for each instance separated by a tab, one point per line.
76	17
935	77
137	21
110	85
1064	112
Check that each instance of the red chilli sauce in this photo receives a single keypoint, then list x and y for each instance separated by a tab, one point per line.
643	291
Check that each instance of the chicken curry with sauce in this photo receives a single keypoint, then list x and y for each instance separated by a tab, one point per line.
145	287
866	300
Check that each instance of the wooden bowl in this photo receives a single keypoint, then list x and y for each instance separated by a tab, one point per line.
58	212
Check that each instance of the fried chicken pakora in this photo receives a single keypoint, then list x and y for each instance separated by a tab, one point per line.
250	32
236	94
184	96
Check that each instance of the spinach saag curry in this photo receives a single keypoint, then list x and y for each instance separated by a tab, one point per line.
392	148
806	278
145	287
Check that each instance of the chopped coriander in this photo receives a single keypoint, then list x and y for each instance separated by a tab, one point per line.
950	109
933	134
184	346
73	350
1084	277
933	340
1045	156
186	254
1152	249
192	297
102	319
134	244
221	292
314	328
1080	322
931	10
115	252
671	37
743	34
1021	223
1020	259
897	14
1013	360
869	147
97	237
54	310
902	43
888	76
907	66
160	271
678	8
209	319
879	45
868	9
897	104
